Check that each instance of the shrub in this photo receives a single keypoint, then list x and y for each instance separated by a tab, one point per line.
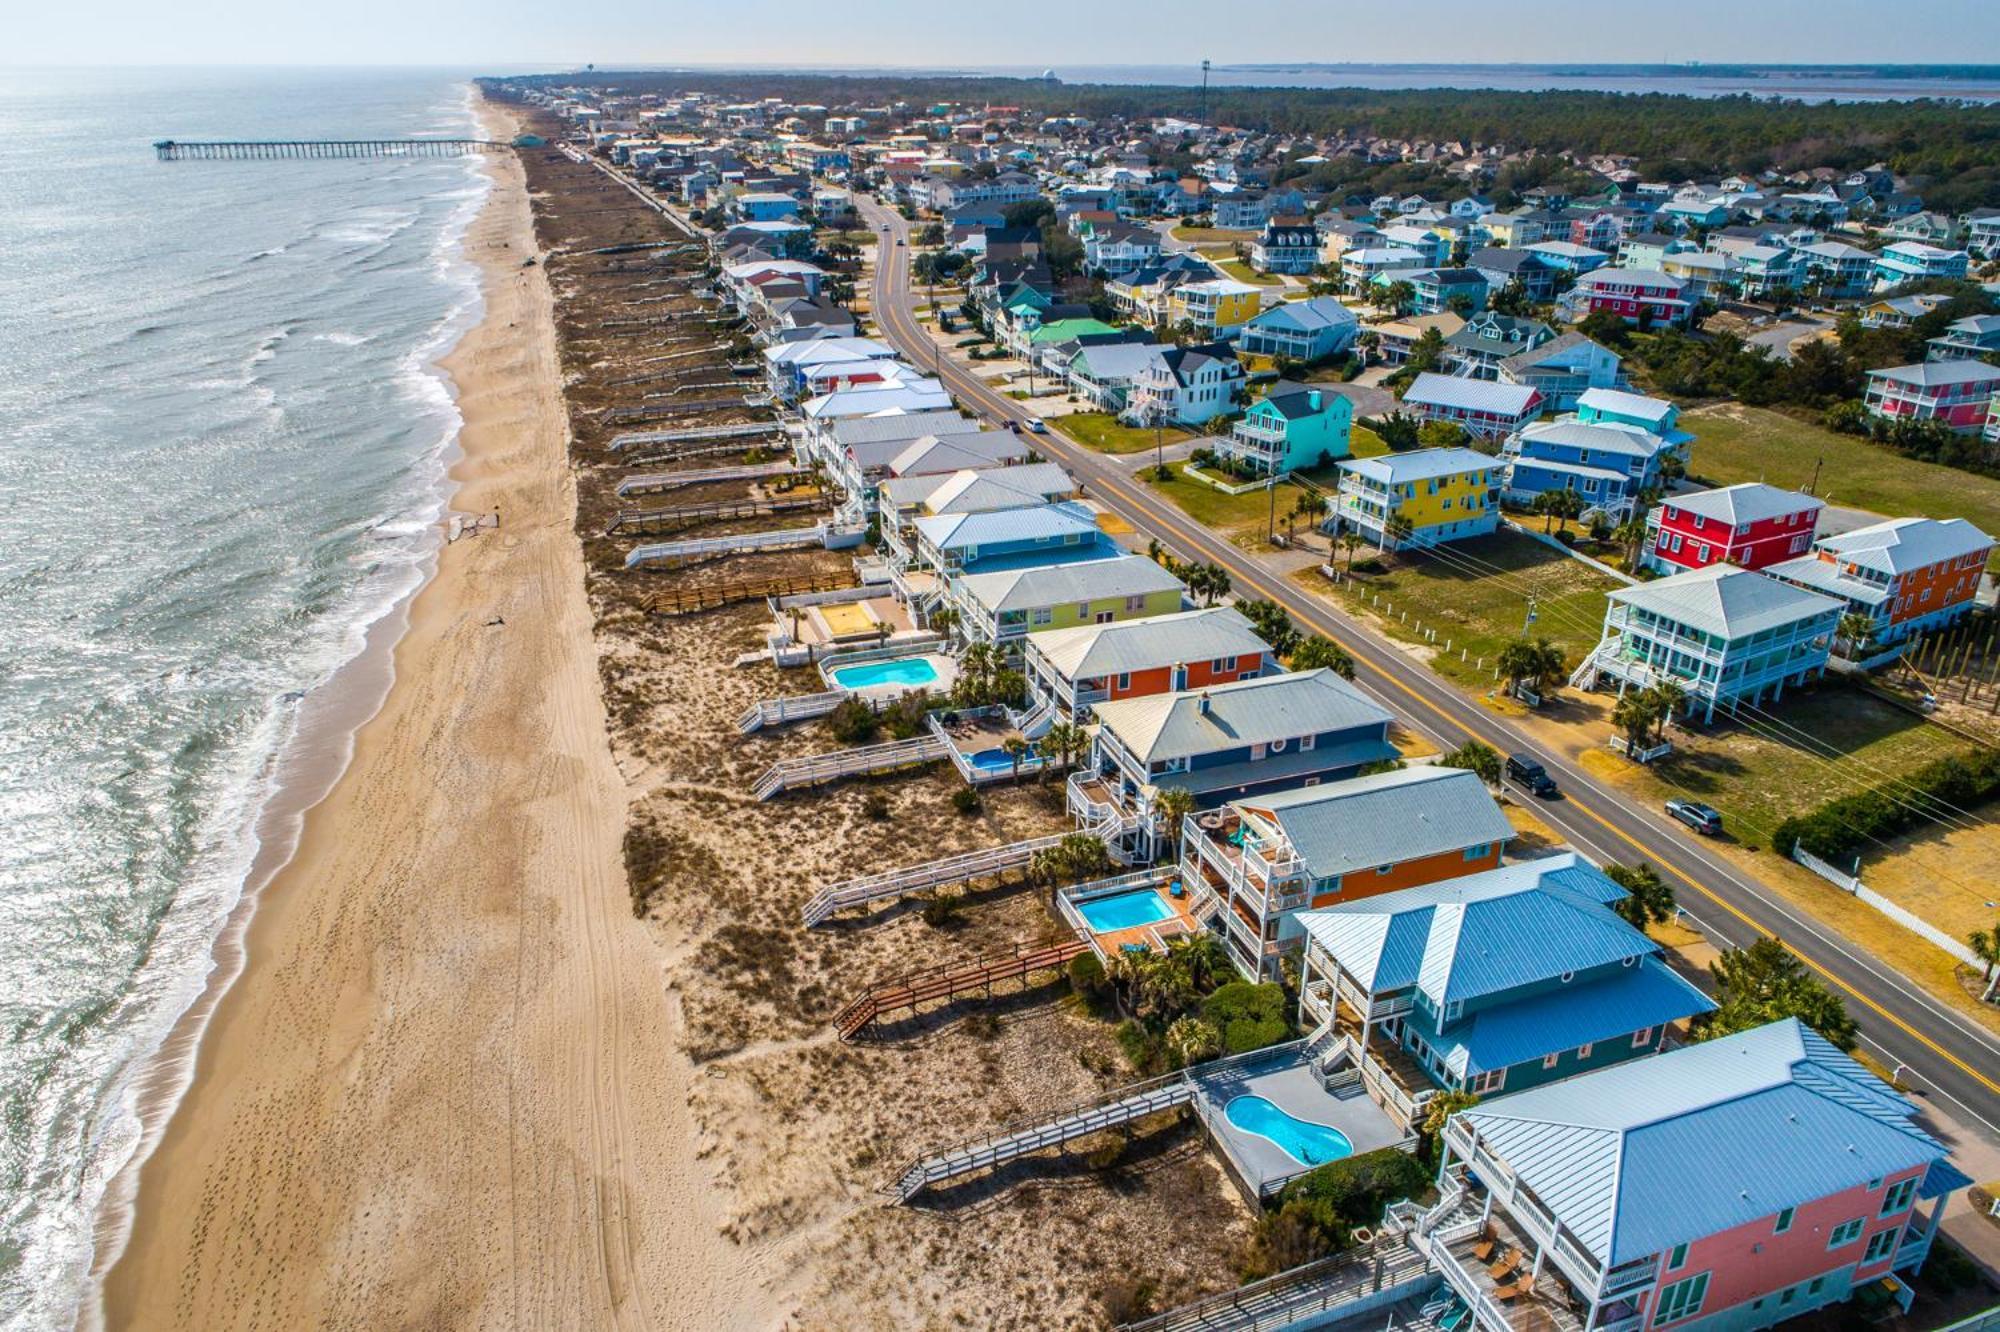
1141	1050
876	806
965	800
942	911
1086	975
1107	1156
1248	1016
1838	830
853	722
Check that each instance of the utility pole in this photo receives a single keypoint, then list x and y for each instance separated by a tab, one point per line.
1812	487
1204	92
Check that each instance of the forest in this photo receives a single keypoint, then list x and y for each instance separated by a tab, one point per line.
1950	150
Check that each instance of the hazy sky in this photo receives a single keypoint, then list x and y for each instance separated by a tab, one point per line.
502	35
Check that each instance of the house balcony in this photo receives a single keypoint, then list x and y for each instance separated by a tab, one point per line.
1513	1202
1490	1264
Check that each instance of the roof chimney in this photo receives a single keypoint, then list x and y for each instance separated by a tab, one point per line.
1201	703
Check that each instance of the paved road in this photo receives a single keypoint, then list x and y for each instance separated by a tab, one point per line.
1948	1055
1778	338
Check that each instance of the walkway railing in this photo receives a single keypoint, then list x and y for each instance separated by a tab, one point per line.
784	538
867	760
795	707
663	481
966	867
635	438
707	596
1382	1273
949	980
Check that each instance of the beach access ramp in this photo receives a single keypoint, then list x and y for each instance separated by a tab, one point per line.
861	761
966	867
705	548
1365	1279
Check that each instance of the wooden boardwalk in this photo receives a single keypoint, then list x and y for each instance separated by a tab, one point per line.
797	707
667	411
660	522
708	548
661	482
693	598
863	761
951	979
270	150
1383	1272
966	867
637	438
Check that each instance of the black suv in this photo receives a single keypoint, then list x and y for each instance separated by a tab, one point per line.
1527	772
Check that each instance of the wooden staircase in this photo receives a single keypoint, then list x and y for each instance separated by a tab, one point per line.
966	867
862	761
707	596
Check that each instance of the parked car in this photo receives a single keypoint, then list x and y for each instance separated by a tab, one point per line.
1037	425
1527	772
1696	815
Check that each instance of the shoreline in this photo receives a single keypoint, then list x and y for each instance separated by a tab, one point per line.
378	1002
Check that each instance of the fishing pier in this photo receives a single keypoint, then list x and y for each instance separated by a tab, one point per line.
265	150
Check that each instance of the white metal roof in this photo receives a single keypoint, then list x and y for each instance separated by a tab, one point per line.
1726	601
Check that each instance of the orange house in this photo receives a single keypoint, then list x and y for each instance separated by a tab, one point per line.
1909	576
1257	862
1070	670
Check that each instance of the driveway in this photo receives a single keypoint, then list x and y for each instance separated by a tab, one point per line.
1778	338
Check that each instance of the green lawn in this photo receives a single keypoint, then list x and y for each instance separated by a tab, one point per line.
1212	508
1480	611
1105	433
1242	272
1734	443
1210	235
1365	443
1757	778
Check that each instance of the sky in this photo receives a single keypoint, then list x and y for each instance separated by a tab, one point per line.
503	36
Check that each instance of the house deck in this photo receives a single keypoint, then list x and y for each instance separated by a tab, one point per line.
1287	1080
1532	1303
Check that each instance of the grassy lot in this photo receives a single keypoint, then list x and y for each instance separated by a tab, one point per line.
1210	235
1478	611
1226	513
1365	443
1944	875
1242	272
1105	433
1735	443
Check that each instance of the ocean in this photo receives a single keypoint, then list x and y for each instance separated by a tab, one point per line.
223	447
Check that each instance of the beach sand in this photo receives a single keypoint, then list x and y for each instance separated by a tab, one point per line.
446	1090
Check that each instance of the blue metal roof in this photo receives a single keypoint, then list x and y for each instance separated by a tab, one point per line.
1043	522
1644	995
1636	1158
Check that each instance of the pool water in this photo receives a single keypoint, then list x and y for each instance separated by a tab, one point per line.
997	760
1124	911
1301	1139
904	671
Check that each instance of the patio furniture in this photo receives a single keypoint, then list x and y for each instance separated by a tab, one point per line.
1507	1293
1483	1251
1507	1266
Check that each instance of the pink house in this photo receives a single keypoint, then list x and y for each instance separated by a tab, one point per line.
1749	525
1958	393
1725	1186
1487	409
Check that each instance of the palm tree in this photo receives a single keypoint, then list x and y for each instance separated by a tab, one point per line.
1398	530
1016	749
1558	506
1668	696
944	619
1349	539
1064	741
1173	804
1635	714
1519	661
1217	581
1648	899
1630	534
1986	947
1855	629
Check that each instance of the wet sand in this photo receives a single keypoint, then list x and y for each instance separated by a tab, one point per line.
446	1090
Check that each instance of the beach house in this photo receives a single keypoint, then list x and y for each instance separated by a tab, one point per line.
1487	339
1499	979
1611	452
1750	525
1215	308
1290	428
904	500
1285	247
1958	394
1562	370
1310	330
795	370
1001	606
1091	663
1487	409
1724	1186
1186	386
1419	498
1914	261
1255	863
1222	743
1641	296
1728	637
1908	576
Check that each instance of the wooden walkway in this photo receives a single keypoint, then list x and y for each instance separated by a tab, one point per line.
698	597
863	761
797	707
661	482
708	548
1112	1110
266	150
667	411
1383	1272
661	522
966	867
636	438
951	979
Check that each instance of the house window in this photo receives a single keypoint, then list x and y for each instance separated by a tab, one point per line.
1490	1082
1641	1037
1551	1060
1880	1245
1845	1233
1042	615
1683	1299
1135	603
1307	742
1478	852
1124	680
1784	1221
1583	1051
1897	1198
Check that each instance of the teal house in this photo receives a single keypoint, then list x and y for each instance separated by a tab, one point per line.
1290	429
1490	982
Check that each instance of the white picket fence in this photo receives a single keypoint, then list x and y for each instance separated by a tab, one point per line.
1849	883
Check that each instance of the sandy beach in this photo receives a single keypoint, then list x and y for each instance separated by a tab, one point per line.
446	1090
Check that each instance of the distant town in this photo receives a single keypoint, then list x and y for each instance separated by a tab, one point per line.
1352	756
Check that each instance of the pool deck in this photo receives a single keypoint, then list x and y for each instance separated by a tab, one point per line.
1153	934
1288	1082
946	675
846	623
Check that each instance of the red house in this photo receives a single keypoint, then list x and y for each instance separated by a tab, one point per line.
1750	526
1637	295
1958	393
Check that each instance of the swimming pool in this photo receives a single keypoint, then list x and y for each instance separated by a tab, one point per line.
1301	1139
907	672
1122	911
998	760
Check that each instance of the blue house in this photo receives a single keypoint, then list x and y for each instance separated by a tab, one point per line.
960	544
1602	452
1293	427
1491	982
1310	330
1220	743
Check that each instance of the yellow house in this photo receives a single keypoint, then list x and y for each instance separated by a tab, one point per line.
1440	494
1216	308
